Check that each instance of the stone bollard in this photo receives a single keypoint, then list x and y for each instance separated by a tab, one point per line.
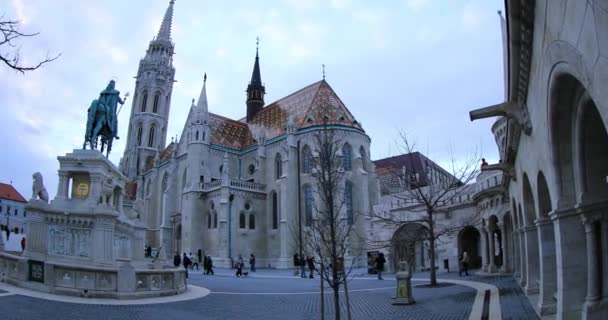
404	285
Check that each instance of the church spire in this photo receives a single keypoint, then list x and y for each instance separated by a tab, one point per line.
255	89
202	100
165	28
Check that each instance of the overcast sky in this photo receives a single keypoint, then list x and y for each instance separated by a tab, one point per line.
414	65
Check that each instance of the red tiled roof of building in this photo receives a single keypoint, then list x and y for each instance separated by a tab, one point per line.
310	106
8	192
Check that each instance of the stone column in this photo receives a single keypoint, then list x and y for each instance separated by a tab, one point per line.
490	235
604	271
532	259
522	258
593	285
505	248
516	254
62	187
484	250
571	263
548	280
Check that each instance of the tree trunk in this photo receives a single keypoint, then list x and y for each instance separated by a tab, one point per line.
322	293
336	287
432	249
348	316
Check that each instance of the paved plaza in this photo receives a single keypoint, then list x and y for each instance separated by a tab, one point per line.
277	294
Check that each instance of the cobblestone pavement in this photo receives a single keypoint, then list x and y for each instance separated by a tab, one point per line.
276	294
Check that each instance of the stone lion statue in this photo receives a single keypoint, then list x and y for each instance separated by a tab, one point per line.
38	189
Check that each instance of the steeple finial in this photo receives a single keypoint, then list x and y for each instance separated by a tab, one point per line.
255	89
202	99
165	28
323	66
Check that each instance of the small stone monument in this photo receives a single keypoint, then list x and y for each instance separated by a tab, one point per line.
404	285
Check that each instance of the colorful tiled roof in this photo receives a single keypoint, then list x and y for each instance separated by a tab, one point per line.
8	192
310	106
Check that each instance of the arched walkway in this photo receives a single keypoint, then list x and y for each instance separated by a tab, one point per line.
531	238
409	244
469	240
546	237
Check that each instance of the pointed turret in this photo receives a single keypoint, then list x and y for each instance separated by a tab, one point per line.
255	89
202	99
164	33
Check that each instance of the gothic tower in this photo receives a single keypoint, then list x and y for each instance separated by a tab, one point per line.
147	133
255	90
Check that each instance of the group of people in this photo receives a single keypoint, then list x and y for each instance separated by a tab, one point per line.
301	262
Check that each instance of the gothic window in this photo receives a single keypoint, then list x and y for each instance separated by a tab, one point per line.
346	157
139	133
184	177
363	158
151	136
242	222
251	169
196	135
348	202
156	100
275	211
307	161
278	163
208	220
251	221
144	101
308	203
215	220
165	184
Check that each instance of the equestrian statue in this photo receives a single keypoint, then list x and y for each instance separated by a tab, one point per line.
102	122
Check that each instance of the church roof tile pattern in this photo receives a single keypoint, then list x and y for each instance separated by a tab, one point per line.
310	106
8	192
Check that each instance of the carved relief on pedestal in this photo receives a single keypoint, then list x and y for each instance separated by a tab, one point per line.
71	242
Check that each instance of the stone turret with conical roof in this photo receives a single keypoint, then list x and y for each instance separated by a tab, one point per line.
255	90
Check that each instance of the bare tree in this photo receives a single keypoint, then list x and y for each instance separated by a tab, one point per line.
10	50
422	198
331	234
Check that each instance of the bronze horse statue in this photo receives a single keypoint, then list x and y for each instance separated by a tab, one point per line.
102	119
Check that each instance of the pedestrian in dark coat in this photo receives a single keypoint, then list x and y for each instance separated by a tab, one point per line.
296	264
380	261
311	266
177	260
252	262
210	265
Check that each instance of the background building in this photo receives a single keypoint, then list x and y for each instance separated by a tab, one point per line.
12	209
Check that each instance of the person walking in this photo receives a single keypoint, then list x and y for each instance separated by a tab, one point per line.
303	266
193	262
380	261
311	266
239	266
252	262
205	264
296	264
464	261
22	244
210	265
177	260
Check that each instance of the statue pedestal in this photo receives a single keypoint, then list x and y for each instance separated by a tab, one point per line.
404	285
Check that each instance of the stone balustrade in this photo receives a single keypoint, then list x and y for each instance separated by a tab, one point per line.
232	183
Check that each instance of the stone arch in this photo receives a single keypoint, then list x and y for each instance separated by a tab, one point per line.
496	237
156	103
409	244
274	209
347	157
144	101
469	239
307	159
544	197
278	166
591	152
529	207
